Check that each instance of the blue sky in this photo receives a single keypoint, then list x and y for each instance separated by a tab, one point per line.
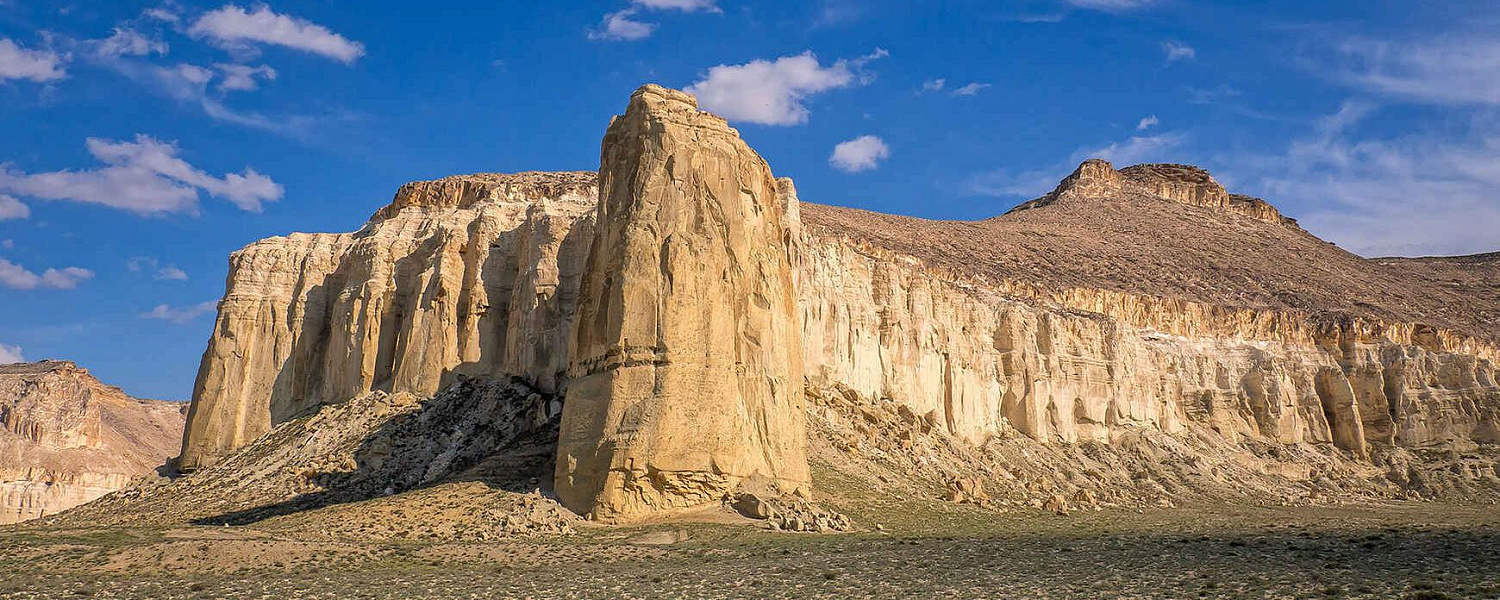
145	141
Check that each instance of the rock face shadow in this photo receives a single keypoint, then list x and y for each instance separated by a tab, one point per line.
499	433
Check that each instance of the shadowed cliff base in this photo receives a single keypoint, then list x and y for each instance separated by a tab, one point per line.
481	447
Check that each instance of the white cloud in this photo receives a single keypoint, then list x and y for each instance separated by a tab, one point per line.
242	77
1443	71
971	89
163	14
128	42
189	84
682	5
8	244
11	354
234	28
161	273
144	177
1113	6
863	153
11	208
36	65
1418	194
833	13
935	85
170	273
620	26
1215	95
17	277
774	92
180	314
1176	51
1147	123
1138	149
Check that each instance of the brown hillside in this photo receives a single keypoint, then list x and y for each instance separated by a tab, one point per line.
1121	236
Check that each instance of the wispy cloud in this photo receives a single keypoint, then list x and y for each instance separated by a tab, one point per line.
17	277
934	85
11	354
1446	71
863	153
971	89
11	208
1031	183
128	42
1147	123
1111	6
189	84
242	77
239	30
147	264
1137	149
1415	194
682	5
775	92
40	66
180	314
164	14
832	13
1214	95
621	25
1177	51
145	177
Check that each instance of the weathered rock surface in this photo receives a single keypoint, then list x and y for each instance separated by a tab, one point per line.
687	370
382	465
1143	320
68	439
1183	184
471	275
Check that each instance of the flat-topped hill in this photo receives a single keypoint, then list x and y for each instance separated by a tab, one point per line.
1126	238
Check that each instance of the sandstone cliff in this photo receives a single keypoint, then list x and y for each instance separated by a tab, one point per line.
68	439
474	275
687	370
682	302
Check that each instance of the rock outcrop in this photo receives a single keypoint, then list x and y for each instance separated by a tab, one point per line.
682	303
1183	184
68	439
687	370
474	275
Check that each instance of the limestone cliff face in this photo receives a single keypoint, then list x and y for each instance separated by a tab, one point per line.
687	370
68	439
684	302
475	275
982	359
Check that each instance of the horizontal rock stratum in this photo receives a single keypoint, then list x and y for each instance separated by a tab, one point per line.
683	302
68	439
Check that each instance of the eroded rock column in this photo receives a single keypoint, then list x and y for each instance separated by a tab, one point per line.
687	368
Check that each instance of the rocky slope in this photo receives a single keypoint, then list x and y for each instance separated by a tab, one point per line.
1142	327
68	439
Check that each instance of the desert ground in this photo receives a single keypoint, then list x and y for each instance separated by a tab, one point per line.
907	549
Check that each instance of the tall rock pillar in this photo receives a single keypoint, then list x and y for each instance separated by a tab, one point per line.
686	372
